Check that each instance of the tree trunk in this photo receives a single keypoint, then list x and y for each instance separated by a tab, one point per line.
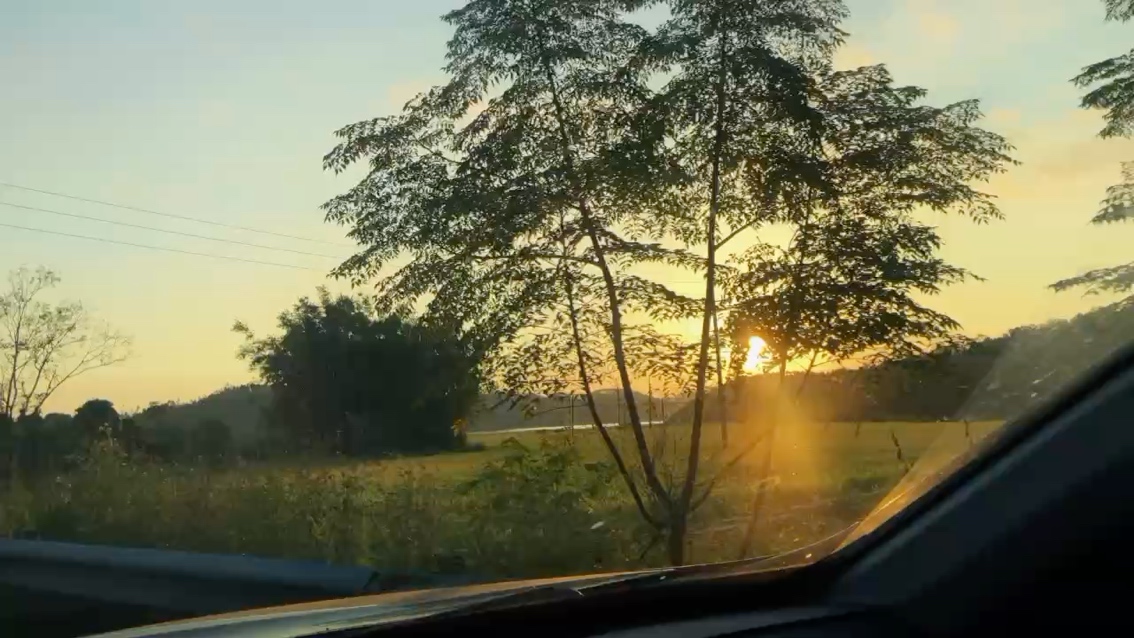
584	379
648	467
722	408
675	541
710	309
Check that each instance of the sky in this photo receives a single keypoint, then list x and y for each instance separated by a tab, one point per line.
223	110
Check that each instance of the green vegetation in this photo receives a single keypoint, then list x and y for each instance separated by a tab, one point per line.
528	505
519	223
1112	91
347	381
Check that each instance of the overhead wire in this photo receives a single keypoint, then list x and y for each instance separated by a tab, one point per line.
161	248
173	232
163	230
149	211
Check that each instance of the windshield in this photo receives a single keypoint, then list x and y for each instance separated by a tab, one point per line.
469	291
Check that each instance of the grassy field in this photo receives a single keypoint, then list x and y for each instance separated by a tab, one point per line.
528	504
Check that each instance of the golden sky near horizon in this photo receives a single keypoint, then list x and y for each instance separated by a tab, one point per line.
213	111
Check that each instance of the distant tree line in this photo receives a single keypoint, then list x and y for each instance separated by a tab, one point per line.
988	378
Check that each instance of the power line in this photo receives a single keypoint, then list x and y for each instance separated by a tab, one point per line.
170	215
168	250
163	230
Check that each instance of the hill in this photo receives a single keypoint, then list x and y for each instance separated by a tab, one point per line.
987	378
978	379
239	407
242	408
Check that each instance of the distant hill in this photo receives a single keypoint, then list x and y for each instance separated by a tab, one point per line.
988	378
239	407
242	407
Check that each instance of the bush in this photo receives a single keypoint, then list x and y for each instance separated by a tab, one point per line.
534	512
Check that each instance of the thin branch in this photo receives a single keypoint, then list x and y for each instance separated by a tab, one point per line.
584	378
729	237
724	469
648	467
434	152
548	256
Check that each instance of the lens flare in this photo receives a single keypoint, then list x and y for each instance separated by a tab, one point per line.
756	354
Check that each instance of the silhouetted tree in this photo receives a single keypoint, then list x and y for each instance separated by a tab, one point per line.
554	187
347	381
42	346
97	419
1113	80
737	109
523	211
846	281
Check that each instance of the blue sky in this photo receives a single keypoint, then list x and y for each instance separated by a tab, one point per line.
223	110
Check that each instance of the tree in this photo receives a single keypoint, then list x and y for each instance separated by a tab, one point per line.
1114	95
43	346
739	119
347	381
845	284
524	221
546	197
97	419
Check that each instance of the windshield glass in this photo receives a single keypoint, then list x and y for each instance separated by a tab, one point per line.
467	291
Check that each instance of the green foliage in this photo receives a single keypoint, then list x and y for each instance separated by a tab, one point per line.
1114	95
346	381
738	110
210	440
527	509
526	189
552	510
47	444
408	521
97	419
847	282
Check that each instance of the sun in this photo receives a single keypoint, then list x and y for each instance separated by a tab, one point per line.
756	354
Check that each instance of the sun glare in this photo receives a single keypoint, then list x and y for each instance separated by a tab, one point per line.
756	354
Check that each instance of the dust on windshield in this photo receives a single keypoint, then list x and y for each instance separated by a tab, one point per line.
466	291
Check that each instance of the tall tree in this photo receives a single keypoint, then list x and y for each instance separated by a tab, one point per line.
517	215
740	117
525	190
43	346
1113	80
97	419
847	281
349	381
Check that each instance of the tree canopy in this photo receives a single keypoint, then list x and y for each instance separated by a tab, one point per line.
1113	93
570	147
346	380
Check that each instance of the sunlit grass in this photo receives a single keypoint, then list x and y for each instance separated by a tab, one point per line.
425	515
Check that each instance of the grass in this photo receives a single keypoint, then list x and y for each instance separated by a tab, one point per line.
526	505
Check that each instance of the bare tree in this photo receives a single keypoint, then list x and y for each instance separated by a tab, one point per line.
42	346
